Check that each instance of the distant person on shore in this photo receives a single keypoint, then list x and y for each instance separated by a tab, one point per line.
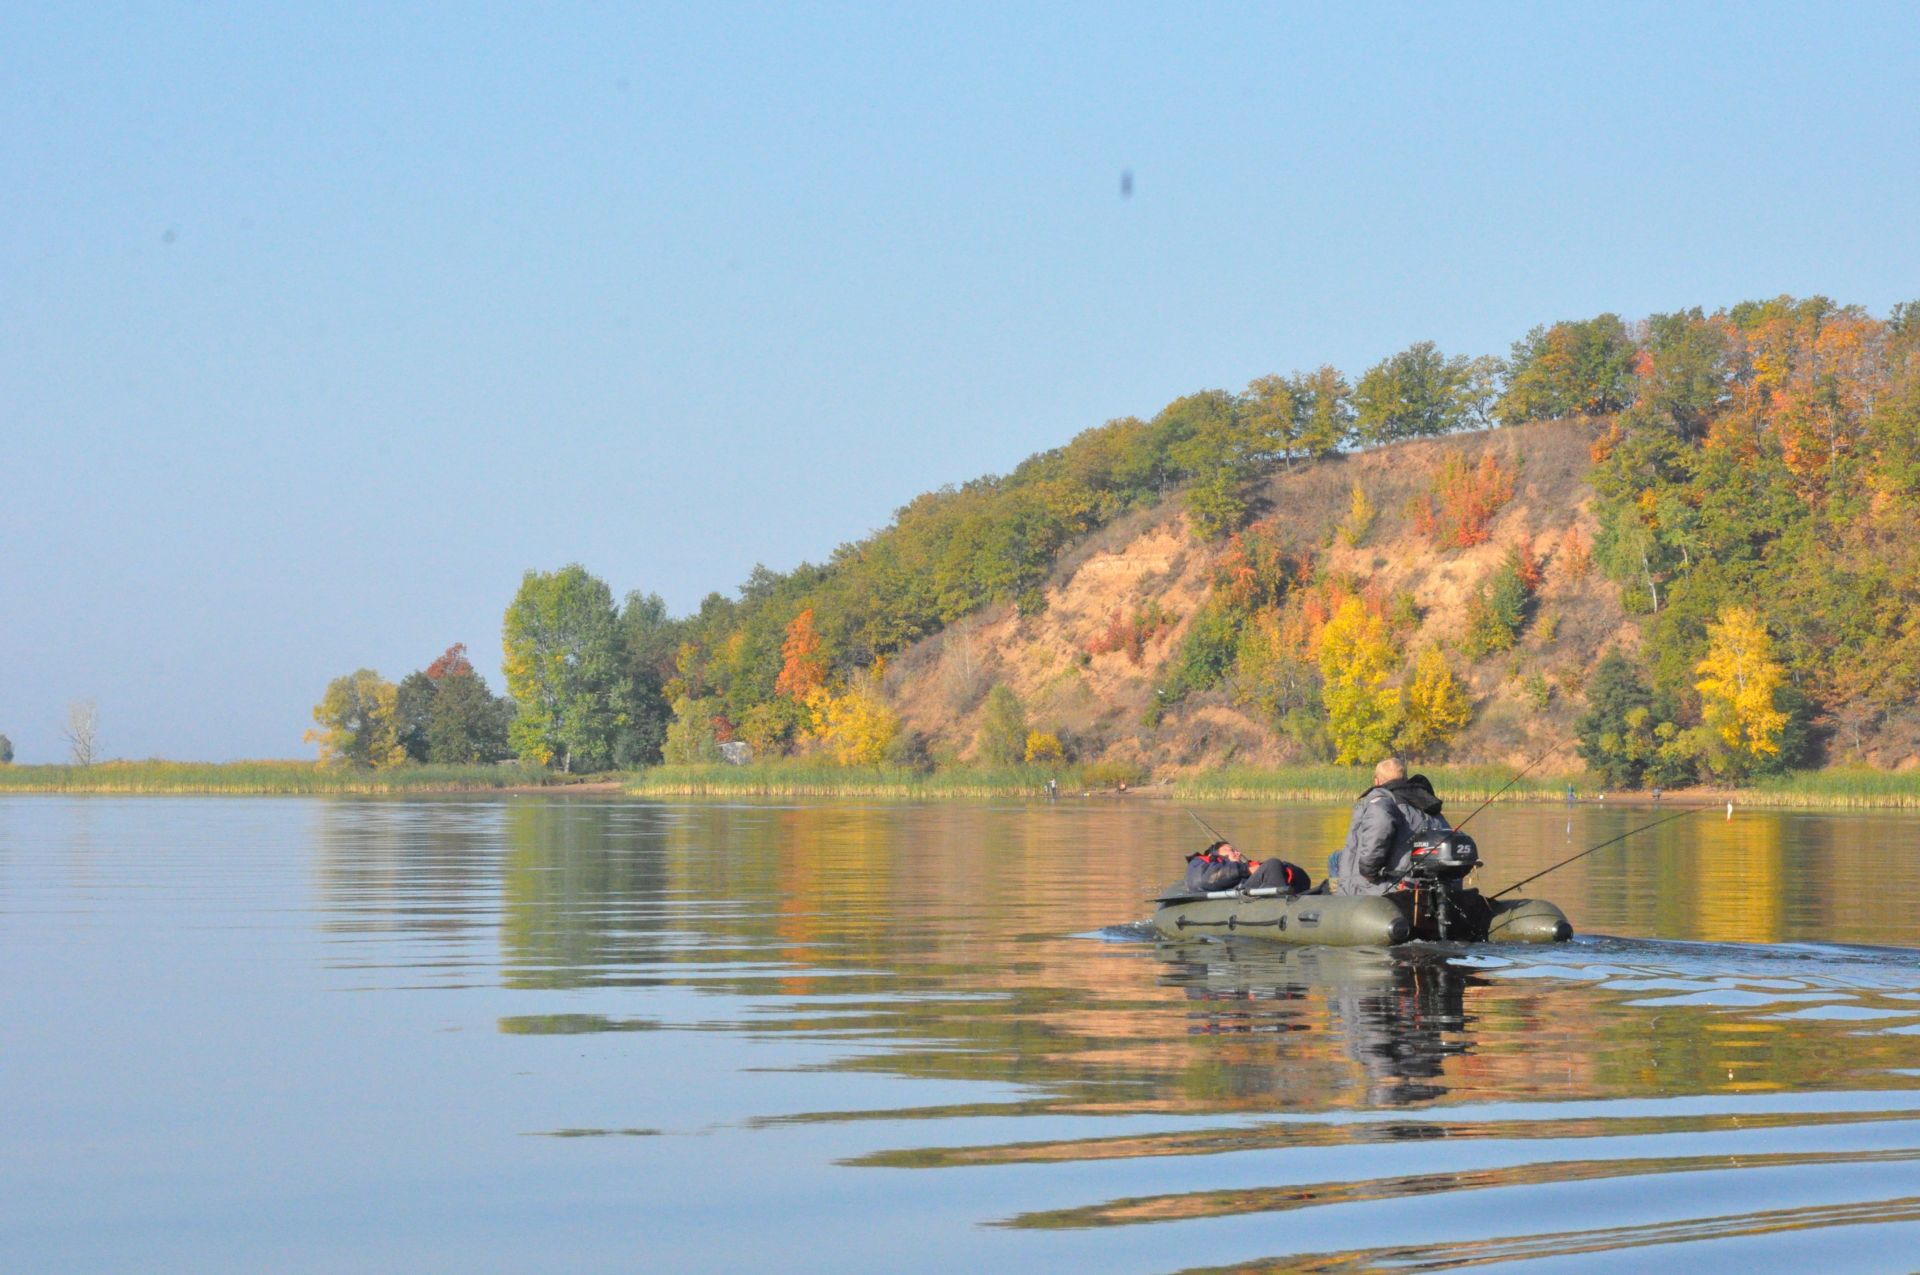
1221	867
1386	819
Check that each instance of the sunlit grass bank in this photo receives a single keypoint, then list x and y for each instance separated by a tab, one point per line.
1841	786
266	777
801	778
1457	784
1463	786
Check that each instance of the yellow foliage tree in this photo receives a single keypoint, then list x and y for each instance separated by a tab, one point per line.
1738	683
1434	708
1359	520
359	720
1356	660
855	727
1043	747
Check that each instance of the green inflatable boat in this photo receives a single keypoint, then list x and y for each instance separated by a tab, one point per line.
1432	904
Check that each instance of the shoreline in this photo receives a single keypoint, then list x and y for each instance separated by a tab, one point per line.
1462	785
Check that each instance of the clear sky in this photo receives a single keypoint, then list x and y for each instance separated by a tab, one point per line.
320	324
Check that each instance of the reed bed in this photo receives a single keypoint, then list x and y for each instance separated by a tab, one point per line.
1459	785
1840	787
266	777
812	779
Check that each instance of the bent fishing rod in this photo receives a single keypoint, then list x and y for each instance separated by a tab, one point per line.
1589	850
1510	783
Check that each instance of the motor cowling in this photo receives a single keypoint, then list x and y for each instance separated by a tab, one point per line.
1442	856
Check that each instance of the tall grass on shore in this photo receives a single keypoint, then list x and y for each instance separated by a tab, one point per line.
802	778
265	777
1839	787
1461	786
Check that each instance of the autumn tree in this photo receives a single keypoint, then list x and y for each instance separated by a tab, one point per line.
1356	661
855	727
1569	369
358	721
1359	520
563	669
1434	707
1044	749
804	665
1740	684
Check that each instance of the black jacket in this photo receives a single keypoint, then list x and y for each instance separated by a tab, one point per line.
1205	873
1380	839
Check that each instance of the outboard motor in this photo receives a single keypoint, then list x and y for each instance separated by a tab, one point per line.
1442	906
1443	856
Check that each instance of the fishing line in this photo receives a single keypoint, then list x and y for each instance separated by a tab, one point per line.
1589	850
1510	783
1210	830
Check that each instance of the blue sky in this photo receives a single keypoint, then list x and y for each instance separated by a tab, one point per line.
319	325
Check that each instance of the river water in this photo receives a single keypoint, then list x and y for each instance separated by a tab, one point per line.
523	1033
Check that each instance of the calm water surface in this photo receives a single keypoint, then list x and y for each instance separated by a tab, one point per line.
574	1034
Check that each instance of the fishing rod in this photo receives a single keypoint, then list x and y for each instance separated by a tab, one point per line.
1584	853
1210	830
1510	783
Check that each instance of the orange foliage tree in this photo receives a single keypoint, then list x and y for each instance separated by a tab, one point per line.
1457	512
805	668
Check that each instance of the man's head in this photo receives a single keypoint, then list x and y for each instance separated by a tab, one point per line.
1389	769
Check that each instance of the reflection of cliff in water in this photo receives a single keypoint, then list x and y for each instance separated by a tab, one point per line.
1399	1014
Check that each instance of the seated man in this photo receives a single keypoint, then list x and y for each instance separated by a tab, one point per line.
1221	867
1385	820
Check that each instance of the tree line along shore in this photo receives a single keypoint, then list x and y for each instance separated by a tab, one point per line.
1464	786
1678	549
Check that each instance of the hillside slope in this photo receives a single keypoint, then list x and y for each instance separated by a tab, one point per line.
1151	562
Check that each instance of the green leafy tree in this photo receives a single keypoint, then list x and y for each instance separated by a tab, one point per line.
468	724
1420	392
564	670
1615	734
690	739
1272	416
6	751
1683	374
1497	611
414	709
1002	738
1211	440
1207	654
648	642
1323	402
1569	369
358	721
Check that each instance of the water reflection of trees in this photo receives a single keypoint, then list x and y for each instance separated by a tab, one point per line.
951	942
